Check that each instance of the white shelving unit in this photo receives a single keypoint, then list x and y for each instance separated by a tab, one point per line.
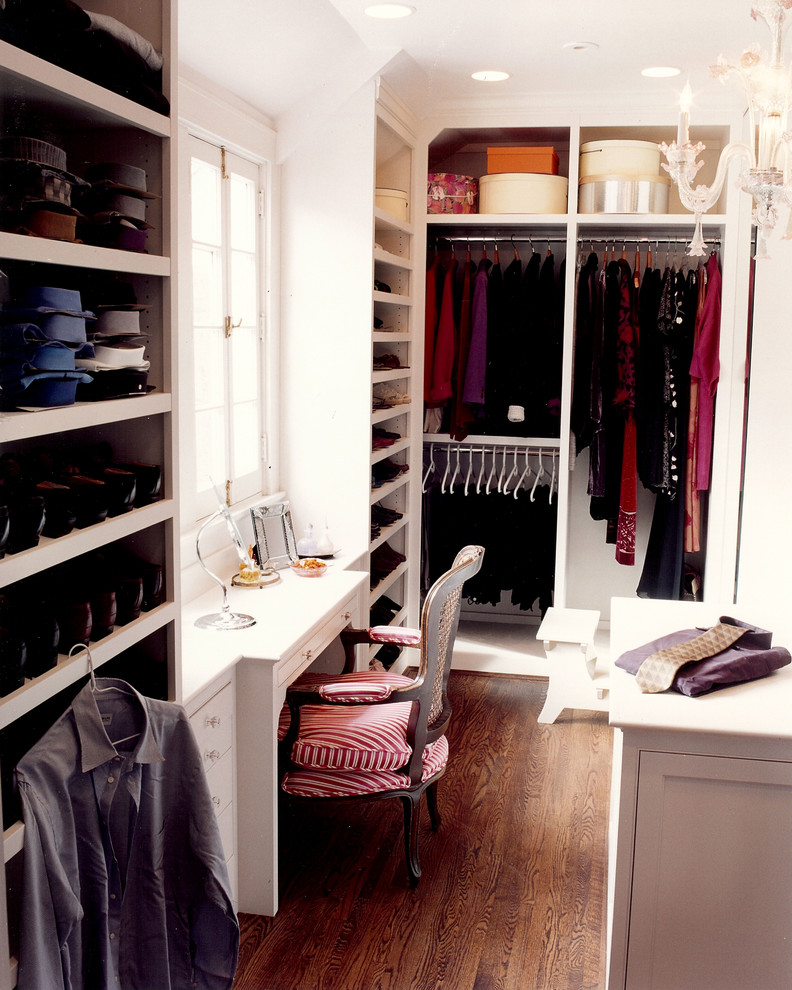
92	123
586	576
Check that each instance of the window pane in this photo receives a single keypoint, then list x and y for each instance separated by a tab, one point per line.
245	433
205	194
207	287
243	288
244	364
210	462
209	374
243	214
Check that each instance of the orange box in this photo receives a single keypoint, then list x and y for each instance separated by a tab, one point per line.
543	161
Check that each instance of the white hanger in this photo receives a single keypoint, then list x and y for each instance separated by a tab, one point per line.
430	469
456	472
447	468
539	474
481	470
502	471
492	470
511	474
103	690
553	478
469	470
526	472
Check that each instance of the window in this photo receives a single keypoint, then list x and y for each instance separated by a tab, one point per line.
227	328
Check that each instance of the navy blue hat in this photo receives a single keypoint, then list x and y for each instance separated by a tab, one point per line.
50	299
43	389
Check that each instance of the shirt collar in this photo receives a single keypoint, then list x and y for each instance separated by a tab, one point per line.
95	745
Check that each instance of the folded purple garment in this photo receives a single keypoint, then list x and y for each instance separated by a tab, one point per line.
750	657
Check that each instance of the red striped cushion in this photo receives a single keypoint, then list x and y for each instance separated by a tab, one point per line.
355	737
377	680
345	783
400	635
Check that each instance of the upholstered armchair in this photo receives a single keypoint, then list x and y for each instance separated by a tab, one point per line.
376	735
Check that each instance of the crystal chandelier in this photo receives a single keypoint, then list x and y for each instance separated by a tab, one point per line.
766	172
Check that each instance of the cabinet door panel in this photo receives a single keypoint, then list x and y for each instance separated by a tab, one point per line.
712	875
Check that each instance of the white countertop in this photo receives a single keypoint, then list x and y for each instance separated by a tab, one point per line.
760	708
285	613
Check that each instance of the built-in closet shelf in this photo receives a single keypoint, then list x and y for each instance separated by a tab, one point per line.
385	452
496	220
68	96
646	220
387	582
383	415
19	425
13	841
389	487
49	252
391	375
388	532
393	298
386	258
548	443
70	669
388	337
386	221
51	552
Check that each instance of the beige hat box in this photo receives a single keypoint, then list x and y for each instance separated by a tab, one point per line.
393	201
523	192
621	177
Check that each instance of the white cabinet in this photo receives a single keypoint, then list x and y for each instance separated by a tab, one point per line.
93	124
700	861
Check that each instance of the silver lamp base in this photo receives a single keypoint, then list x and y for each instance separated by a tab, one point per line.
225	620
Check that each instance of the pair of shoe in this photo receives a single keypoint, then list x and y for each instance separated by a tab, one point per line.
384	560
387	470
383	516
382	611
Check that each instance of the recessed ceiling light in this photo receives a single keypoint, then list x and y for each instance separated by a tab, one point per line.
660	71
490	75
581	46
389	11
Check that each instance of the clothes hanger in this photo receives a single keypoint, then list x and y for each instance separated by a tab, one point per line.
526	472
511	474
104	690
514	248
502	470
481	470
447	468
469	470
430	469
492	470
553	478
495	258
539	474
454	475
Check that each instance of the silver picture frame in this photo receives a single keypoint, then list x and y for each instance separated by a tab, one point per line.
274	535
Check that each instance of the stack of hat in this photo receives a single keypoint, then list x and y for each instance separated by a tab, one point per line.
115	352
115	206
36	189
44	328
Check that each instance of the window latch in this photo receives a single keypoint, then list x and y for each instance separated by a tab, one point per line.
230	325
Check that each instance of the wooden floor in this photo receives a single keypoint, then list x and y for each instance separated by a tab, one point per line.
513	890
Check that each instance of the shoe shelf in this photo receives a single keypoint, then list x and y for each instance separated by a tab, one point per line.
391	375
385	260
387	582
389	488
385	452
53	551
70	669
388	532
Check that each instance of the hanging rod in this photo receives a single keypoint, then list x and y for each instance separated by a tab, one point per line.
640	240
537	443
506	239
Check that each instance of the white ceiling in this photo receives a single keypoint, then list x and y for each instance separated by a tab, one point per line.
278	54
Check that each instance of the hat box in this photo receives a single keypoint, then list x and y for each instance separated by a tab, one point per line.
393	201
523	192
623	194
449	193
619	158
509	159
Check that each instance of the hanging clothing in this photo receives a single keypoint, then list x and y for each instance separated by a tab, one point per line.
441	388
462	415
430	324
624	400
705	366
474	391
124	878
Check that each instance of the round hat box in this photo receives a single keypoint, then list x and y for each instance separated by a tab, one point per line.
393	201
523	192
623	194
619	158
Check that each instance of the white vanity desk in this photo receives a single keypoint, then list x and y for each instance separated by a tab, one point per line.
700	864
296	620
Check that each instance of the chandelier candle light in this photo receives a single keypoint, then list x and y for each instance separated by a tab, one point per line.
766	174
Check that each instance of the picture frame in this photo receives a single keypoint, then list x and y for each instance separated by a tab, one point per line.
274	535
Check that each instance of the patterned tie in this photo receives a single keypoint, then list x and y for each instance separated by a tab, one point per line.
657	672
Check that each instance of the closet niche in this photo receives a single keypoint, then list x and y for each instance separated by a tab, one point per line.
552	364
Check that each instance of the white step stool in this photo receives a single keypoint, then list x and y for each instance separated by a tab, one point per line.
568	640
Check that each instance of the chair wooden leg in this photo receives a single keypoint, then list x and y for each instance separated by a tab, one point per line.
431	804
412	815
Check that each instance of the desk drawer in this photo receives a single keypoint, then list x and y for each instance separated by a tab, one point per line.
225	824
220	778
213	725
310	648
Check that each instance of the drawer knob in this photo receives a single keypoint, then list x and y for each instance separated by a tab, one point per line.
216	800
213	721
346	615
213	755
308	654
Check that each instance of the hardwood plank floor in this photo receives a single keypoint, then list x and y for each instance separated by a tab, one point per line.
513	890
